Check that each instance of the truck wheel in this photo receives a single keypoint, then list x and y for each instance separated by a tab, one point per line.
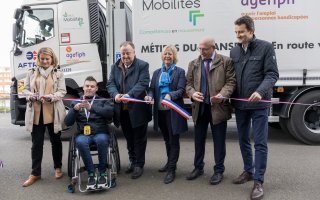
304	121
292	131
283	125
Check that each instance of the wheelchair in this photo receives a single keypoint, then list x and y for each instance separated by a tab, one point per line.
76	167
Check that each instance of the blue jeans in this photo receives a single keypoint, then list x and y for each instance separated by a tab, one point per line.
83	144
259	120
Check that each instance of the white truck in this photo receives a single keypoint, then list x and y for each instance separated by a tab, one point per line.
291	25
83	33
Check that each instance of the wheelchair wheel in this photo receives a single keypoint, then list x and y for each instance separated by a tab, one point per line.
71	157
115	152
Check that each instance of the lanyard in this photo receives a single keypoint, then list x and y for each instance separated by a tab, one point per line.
85	110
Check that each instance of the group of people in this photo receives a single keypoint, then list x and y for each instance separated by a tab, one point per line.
212	80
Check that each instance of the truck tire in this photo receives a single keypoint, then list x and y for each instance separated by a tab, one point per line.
304	122
292	131
283	125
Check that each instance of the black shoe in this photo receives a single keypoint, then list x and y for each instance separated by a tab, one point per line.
137	172
129	168
163	169
194	174
170	176
216	178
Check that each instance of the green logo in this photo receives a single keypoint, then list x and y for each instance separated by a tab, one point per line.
193	14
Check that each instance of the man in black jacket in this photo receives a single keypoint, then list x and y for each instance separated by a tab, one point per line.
91	115
256	73
129	77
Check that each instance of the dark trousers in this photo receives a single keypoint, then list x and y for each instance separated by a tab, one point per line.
37	135
218	136
171	140
136	139
259	121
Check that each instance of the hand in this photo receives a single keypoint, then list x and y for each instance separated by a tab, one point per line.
86	105
149	99
255	97
168	97
217	99
125	101
77	106
33	97
197	96
46	98
117	98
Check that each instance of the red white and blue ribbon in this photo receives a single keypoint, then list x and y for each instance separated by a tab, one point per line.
268	101
176	108
130	99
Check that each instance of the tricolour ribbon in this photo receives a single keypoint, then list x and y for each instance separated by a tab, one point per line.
130	99
176	108
266	101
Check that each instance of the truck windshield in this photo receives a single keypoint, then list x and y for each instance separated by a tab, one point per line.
37	26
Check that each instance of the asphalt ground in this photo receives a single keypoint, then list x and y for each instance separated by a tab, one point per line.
292	172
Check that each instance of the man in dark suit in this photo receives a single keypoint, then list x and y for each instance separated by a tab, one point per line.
130	77
210	77
257	72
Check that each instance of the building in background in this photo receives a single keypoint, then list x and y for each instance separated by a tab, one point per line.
5	81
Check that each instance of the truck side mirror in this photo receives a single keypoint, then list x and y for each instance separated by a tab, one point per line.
15	30
15	39
17	13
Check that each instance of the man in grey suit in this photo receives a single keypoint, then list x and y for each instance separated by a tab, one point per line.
130	77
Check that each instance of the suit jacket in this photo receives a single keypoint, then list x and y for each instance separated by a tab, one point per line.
221	80
136	83
256	71
177	89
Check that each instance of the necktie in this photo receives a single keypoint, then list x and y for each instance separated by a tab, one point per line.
207	67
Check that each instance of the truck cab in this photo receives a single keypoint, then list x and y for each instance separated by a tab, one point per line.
84	34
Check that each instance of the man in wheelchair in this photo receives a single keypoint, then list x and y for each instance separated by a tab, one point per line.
91	114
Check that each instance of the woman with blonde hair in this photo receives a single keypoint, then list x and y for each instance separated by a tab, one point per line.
168	82
44	88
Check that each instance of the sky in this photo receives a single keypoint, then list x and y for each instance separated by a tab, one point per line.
6	21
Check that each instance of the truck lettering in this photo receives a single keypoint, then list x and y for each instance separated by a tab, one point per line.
66	69
277	46
225	46
26	65
253	4
190	47
153	48
304	45
170	4
75	55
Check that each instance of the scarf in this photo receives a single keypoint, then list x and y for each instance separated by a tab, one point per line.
44	73
164	80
